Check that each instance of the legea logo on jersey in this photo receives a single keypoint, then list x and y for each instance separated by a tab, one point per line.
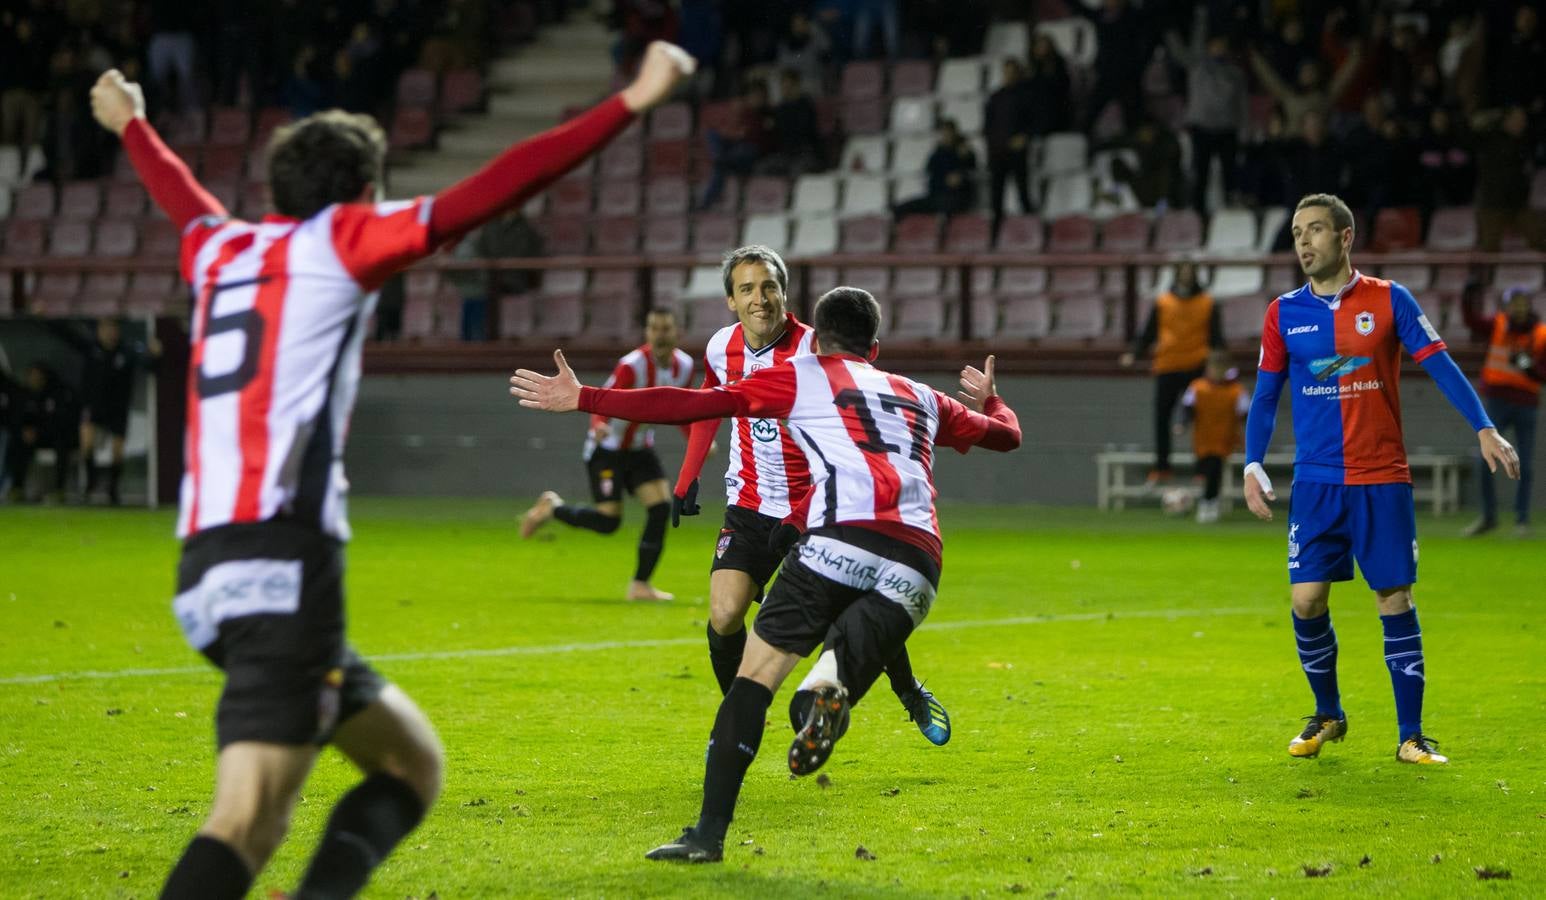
1364	322
1328	367
765	430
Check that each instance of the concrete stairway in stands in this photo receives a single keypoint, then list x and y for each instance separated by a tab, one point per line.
567	65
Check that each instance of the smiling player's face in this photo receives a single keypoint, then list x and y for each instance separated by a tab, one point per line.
757	300
1321	248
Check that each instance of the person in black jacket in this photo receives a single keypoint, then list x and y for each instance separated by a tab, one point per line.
1007	127
113	368
952	170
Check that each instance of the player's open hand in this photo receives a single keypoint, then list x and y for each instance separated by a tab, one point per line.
663	67
116	101
1258	491
1498	452
553	393
977	385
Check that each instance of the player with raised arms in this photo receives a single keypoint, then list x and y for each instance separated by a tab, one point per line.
1337	342
865	573
278	321
767	474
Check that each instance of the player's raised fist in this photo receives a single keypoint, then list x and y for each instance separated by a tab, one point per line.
551	393
116	101
663	67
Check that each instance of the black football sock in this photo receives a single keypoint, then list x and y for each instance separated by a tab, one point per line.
732	746
93	472
653	540
900	671
114	475
209	870
725	652
364	827
586	517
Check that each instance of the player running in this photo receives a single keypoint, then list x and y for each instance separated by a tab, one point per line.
767	474
278	323
865	573
621	456
1337	341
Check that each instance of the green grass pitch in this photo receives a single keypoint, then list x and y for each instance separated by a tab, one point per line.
1123	690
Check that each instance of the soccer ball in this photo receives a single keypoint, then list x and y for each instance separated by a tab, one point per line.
1177	501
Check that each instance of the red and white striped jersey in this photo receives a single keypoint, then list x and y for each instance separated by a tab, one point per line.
764	459
639	369
869	436
279	316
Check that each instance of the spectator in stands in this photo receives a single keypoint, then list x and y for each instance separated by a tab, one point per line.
876	16
112	371
47	417
349	89
944	28
1287	48
1342	41
640	22
1007	127
71	142
1503	163
1216	106
1048	88
952	172
806	49
742	144
1378	158
1124	37
171	52
1311	93
1181	328
702	35
1517	64
1446	166
23	80
1157	176
236	54
510	236
797	144
1315	160
1512	374
1461	61
303	93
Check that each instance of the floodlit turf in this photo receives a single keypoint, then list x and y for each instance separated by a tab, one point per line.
1123	689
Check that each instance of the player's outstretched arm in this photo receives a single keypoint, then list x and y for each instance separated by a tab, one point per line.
118	105
656	405
981	418
522	171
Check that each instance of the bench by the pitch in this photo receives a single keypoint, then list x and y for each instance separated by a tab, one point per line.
1121	474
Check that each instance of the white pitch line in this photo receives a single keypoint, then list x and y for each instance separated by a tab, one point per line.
544	649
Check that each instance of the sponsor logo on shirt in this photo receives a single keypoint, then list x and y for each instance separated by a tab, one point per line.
765	430
1303	329
1341	391
1328	367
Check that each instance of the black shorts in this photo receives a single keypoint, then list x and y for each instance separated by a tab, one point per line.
110	418
614	471
265	603
743	545
859	592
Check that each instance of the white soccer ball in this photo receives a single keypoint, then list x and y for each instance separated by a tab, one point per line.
1177	501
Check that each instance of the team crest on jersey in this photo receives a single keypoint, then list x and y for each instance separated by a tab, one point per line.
765	430
1364	322
724	544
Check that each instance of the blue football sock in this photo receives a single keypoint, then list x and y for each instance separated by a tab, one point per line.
1318	656
1404	658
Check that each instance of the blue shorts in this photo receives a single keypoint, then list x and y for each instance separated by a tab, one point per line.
1332	525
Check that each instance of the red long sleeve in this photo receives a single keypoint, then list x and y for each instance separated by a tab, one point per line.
658	405
513	176
700	438
995	428
166	177
1003	434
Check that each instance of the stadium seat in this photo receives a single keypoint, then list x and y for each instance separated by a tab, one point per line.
622	159
412	128
1236	281
911	154
875	279
560	315
961	77
616	235
269	120
616	318
863	81
703	316
912	78
815	236
1071	234
80	200
1064	153
1451	279
671	122
461	90
154	292
224	163
569	197
985	318
863	116
1512	275
713	232
666	284
1242	317
55	294
613	283
917	233
906	187
669	158
1178	230
920	318
1232	231
912	116
911	281
416	88
668	196
1282	279
1397	228
1413	277
821	280
967	113
554	281
815	194
565	235
1127	233
1452	228
619	198
227	191
973	233
718	115
229	127
253	202
69	239
865	195
1073	280
1025	317
1080	317
115	238
865	234
517	316
124	201
769	230
1008	39
159	239
1021	281
1020	234
24	237
1273	222
1068	195
865	153
34	201
704	282
665	235
102	294
766	194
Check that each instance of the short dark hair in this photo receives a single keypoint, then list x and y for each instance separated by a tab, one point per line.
1341	216
753	253
660	311
847	319
324	159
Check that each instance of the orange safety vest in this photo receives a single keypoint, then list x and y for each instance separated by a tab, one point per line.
1182	339
1216	422
1499	370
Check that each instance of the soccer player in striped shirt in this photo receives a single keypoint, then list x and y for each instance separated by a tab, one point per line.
1337	342
620	456
767	474
278	322
866	571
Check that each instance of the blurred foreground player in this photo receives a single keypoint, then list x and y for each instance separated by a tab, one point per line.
278	324
1337	341
621	456
865	573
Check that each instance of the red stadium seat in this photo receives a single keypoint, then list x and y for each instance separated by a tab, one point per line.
270	118
616	318
1072	234
917	234
1020	234
517	316
730	198
864	81
714	232
124	201
34	201
1177	230
670	158
70	239
665	235
188	127
924	282
1242	317
866	234
1452	228
570	197
875	279
766	194
461	90
416	88
153	292
613	283
863	116
115	238
421	284
666	285
225	163
617	235
252	205
418	318
24	237
1397	228
623	159
448	313
159	239
412	127
54	296
720	115
102	294
1075	280
1127	233
912	78
985	317
1021	281
226	190
668	196
671	122
565	236
822	279
80	200
920	318
1025	317
1080	317
1414	278
229	127
968	233
619	198
564	281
